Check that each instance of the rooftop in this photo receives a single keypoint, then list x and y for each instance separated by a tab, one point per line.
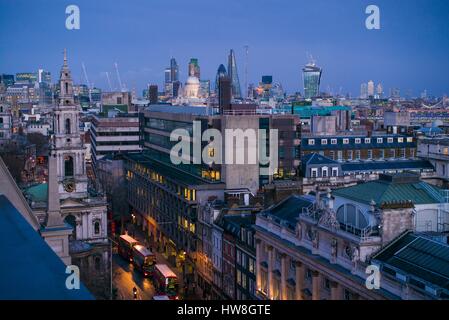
419	257
401	187
29	268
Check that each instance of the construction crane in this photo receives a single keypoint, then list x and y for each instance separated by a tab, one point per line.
246	71
109	80
122	87
88	83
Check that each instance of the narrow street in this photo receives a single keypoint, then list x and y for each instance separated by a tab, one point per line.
126	277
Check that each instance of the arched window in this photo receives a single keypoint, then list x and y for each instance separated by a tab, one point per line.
66	88
97	263
351	218
71	220
97	227
67	126
68	166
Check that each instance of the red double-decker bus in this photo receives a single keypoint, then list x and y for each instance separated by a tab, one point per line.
125	246
144	259
166	281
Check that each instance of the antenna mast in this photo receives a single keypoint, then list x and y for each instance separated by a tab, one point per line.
246	71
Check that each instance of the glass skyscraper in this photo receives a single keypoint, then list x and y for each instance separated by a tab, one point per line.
312	77
174	70
221	72
233	75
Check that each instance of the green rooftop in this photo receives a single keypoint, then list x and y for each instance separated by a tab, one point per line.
38	193
392	188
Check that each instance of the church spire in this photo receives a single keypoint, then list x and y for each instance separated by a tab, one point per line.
66	97
65	58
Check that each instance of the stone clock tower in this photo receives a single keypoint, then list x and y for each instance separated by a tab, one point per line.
67	143
80	208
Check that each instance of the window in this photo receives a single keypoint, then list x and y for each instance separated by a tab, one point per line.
332	155
239	257
390	140
313	172
370	154
97	227
334	172
244	280
324	172
67	126
357	154
358	140
400	140
349	155
239	277
380	140
311	142
251	265
392	153
367	140
333	141
323	141
402	152
339	155
345	141
382	154
409	139
68	166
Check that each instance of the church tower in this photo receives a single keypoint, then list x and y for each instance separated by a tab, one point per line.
67	143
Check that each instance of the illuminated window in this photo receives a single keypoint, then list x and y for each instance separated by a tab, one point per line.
400	140
409	139
311	142
390	140
358	140
333	141
211	152
380	140
324	141
345	141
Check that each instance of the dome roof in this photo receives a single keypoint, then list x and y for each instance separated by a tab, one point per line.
192	80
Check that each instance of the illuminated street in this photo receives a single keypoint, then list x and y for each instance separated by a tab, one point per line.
126	278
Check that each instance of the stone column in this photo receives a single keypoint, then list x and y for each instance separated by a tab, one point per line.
258	260
299	269
284	274
315	285
336	291
270	273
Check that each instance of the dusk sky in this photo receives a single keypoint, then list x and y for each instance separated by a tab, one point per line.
410	51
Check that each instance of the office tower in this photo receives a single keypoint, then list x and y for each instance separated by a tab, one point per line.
174	70
44	76
152	94
233	75
204	88
7	79
224	93
167	75
175	88
26	77
379	91
194	68
370	88
363	91
221	72
311	78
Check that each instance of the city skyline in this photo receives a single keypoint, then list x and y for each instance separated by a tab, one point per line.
411	34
